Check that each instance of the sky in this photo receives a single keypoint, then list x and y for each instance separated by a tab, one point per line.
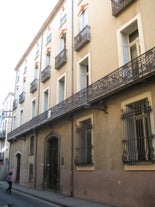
20	20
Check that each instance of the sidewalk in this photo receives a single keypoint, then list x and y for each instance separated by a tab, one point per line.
55	198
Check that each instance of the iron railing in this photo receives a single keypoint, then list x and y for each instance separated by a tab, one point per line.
60	59
2	135
119	5
15	103
22	97
116	81
84	156
133	72
46	74
82	38
138	151
33	85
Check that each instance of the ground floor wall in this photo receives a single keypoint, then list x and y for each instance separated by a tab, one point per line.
127	189
106	178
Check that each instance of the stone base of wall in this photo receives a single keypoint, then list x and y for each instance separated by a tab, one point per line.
129	189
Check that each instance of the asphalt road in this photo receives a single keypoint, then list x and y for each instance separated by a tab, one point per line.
17	199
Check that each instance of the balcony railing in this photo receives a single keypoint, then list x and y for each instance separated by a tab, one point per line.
129	74
46	74
15	103
82	38
119	5
22	97
60	59
34	85
2	135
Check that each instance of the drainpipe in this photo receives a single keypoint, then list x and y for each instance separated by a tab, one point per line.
72	118
36	131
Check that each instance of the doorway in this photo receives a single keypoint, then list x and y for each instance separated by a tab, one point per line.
18	158
52	164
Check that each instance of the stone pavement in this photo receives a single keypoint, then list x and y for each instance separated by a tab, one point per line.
55	198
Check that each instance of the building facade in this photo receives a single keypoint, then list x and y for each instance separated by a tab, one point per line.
84	107
5	128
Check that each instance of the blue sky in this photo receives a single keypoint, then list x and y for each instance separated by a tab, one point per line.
20	20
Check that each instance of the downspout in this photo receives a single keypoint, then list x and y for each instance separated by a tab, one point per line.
72	117
36	131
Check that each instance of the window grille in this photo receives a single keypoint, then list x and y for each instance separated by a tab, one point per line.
137	135
84	144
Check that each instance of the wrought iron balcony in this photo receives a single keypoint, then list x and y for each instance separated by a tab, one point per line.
2	135
15	103
60	59
129	74
46	74
34	85
119	5
22	97
82	38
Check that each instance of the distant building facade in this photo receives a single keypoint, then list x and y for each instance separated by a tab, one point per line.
84	106
5	128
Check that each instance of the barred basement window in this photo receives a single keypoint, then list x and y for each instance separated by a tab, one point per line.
84	143
137	134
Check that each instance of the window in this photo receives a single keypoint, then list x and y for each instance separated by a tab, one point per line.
63	15
46	100
25	70
33	108
131	45
37	51
31	173
137	133
63	42
14	122
130	40
83	19
48	35
47	59
134	47
21	117
36	73
84	73
31	145
84	143
61	89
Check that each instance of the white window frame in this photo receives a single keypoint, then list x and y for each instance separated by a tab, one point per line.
44	91
84	19
147	95
58	88
120	38
33	111
90	116
79	71
21	116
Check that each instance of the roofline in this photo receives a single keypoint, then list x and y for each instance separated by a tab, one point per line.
38	35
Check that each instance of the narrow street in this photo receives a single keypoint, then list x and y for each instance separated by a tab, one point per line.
17	199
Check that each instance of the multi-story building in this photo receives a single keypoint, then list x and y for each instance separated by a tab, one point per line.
5	128
84	107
